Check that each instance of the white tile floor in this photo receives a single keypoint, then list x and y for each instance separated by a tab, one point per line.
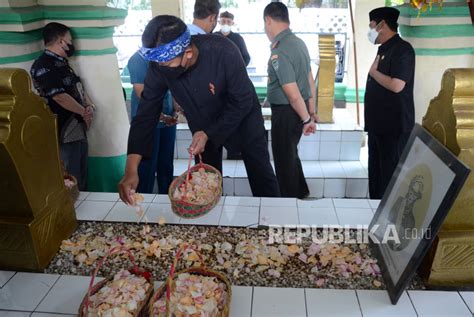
43	295
331	179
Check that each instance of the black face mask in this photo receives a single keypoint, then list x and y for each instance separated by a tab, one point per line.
71	49
172	72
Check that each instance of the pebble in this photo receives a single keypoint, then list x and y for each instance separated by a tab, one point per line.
294	274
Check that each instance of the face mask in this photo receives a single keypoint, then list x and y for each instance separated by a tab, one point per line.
373	34
172	72
71	49
225	28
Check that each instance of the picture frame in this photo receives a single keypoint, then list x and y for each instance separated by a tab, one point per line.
422	190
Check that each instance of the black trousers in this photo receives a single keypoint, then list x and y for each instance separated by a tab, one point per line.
286	134
384	153
262	179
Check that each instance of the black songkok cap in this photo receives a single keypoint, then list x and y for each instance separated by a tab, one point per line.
388	14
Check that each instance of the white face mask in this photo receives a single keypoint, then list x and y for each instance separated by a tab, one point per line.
225	28
373	34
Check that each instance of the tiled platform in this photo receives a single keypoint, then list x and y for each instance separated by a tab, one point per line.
328	179
50	295
338	141
233	211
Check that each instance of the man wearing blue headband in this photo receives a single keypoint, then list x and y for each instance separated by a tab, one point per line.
207	77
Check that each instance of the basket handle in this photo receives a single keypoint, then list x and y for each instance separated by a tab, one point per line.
169	282
189	166
120	249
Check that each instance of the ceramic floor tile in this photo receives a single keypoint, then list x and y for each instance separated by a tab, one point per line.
351	203
354	217
210	219
332	302
158	213
278	302
5	313
316	187
357	187
312	169
308	151
103	197
125	213
241	303
148	198
94	210
374	203
25	291
332	169
329	151
83	195
77	203
317	216
438	303
228	168
330	136
377	304
239	219
5	276
278	216
350	151
278	202
242	201
228	186
161	199
354	169
51	315
66	295
352	136
468	299
315	203
335	188
241	209
242	187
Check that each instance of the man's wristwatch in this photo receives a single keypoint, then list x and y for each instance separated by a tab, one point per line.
305	122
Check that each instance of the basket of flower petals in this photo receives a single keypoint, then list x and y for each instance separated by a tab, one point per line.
127	294
197	191
192	292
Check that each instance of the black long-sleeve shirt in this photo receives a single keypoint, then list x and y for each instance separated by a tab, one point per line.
216	95
238	40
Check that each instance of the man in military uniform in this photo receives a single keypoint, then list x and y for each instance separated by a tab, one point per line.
291	92
389	104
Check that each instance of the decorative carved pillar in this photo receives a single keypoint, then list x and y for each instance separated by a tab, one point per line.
326	78
450	118
36	211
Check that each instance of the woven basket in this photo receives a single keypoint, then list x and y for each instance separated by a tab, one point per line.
190	210
142	307
167	287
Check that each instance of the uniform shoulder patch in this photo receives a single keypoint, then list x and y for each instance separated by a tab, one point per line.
275	64
275	56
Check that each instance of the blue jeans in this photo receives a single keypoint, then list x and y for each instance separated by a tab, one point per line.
160	163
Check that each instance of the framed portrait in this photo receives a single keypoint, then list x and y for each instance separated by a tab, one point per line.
418	198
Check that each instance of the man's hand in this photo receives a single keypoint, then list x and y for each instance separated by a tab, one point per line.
374	66
169	121
198	143
127	187
315	117
309	128
88	115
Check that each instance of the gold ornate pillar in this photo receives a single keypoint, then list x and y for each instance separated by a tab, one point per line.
36	213
450	119
326	78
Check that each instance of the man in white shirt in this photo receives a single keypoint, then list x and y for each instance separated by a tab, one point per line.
205	16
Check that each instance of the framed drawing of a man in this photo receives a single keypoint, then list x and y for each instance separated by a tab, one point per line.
423	188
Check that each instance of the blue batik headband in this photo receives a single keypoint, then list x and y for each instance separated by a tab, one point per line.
168	51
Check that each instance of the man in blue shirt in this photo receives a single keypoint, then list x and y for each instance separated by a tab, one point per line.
205	16
161	160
